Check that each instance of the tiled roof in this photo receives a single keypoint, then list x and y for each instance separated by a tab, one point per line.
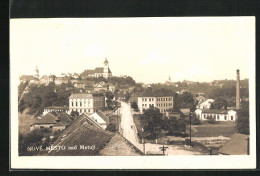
237	145
185	111
81	96
215	111
103	116
120	146
99	70
27	77
59	124
84	135
49	118
58	107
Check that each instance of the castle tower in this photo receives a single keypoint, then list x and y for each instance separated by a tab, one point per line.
37	75
238	91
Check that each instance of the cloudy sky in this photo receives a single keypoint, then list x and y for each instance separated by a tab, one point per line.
148	49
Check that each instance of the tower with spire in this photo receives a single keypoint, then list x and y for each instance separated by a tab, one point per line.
107	72
37	75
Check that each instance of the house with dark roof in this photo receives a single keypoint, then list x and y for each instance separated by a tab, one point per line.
87	139
53	120
237	145
98	71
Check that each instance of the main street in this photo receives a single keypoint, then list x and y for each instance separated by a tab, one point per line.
130	133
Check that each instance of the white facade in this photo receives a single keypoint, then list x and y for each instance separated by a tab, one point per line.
99	120
86	103
205	104
163	103
218	115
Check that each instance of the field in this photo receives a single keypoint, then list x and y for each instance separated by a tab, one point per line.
214	130
24	122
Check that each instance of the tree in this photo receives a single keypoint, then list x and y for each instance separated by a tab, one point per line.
242	122
152	119
109	101
111	127
219	103
74	114
184	100
134	106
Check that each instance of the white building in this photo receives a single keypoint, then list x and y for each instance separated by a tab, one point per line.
217	114
88	103
99	71
100	118
147	100
205	104
55	109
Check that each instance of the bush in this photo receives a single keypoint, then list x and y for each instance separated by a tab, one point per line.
195	121
111	127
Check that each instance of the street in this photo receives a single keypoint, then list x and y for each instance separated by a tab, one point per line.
130	134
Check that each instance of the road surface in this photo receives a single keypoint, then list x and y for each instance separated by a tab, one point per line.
129	132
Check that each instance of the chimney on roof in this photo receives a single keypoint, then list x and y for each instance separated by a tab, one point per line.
238	91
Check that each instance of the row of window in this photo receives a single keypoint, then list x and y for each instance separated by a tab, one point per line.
205	116
81	110
157	99
80	104
164	99
164	104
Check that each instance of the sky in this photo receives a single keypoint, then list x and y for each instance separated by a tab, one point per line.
147	49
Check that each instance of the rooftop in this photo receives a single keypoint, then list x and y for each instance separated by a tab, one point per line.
237	145
58	107
215	111
85	95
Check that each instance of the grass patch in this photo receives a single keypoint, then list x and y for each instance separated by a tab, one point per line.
24	122
214	130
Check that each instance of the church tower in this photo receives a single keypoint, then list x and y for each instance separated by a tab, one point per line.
37	75
106	68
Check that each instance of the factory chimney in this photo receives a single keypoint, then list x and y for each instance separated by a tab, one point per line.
238	91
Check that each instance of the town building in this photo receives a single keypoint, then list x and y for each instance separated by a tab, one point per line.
61	80
53	121
56	109
217	114
149	99
87	103
98	72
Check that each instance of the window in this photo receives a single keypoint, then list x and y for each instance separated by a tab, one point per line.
225	117
142	105
76	103
142	99
145	99
88	110
166	99
80	104
71	103
231	117
218	117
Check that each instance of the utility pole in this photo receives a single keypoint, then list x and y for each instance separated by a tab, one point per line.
190	128
143	141
163	149
248	151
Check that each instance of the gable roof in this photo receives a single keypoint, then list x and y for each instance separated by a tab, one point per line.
237	145
185	111
49	118
27	77
215	111
83	135
120	146
81	96
103	116
99	70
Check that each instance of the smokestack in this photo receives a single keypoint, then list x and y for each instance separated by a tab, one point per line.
238	91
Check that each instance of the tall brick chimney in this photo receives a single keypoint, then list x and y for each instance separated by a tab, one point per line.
238	91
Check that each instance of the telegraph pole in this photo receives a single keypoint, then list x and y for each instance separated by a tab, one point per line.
190	128
163	149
